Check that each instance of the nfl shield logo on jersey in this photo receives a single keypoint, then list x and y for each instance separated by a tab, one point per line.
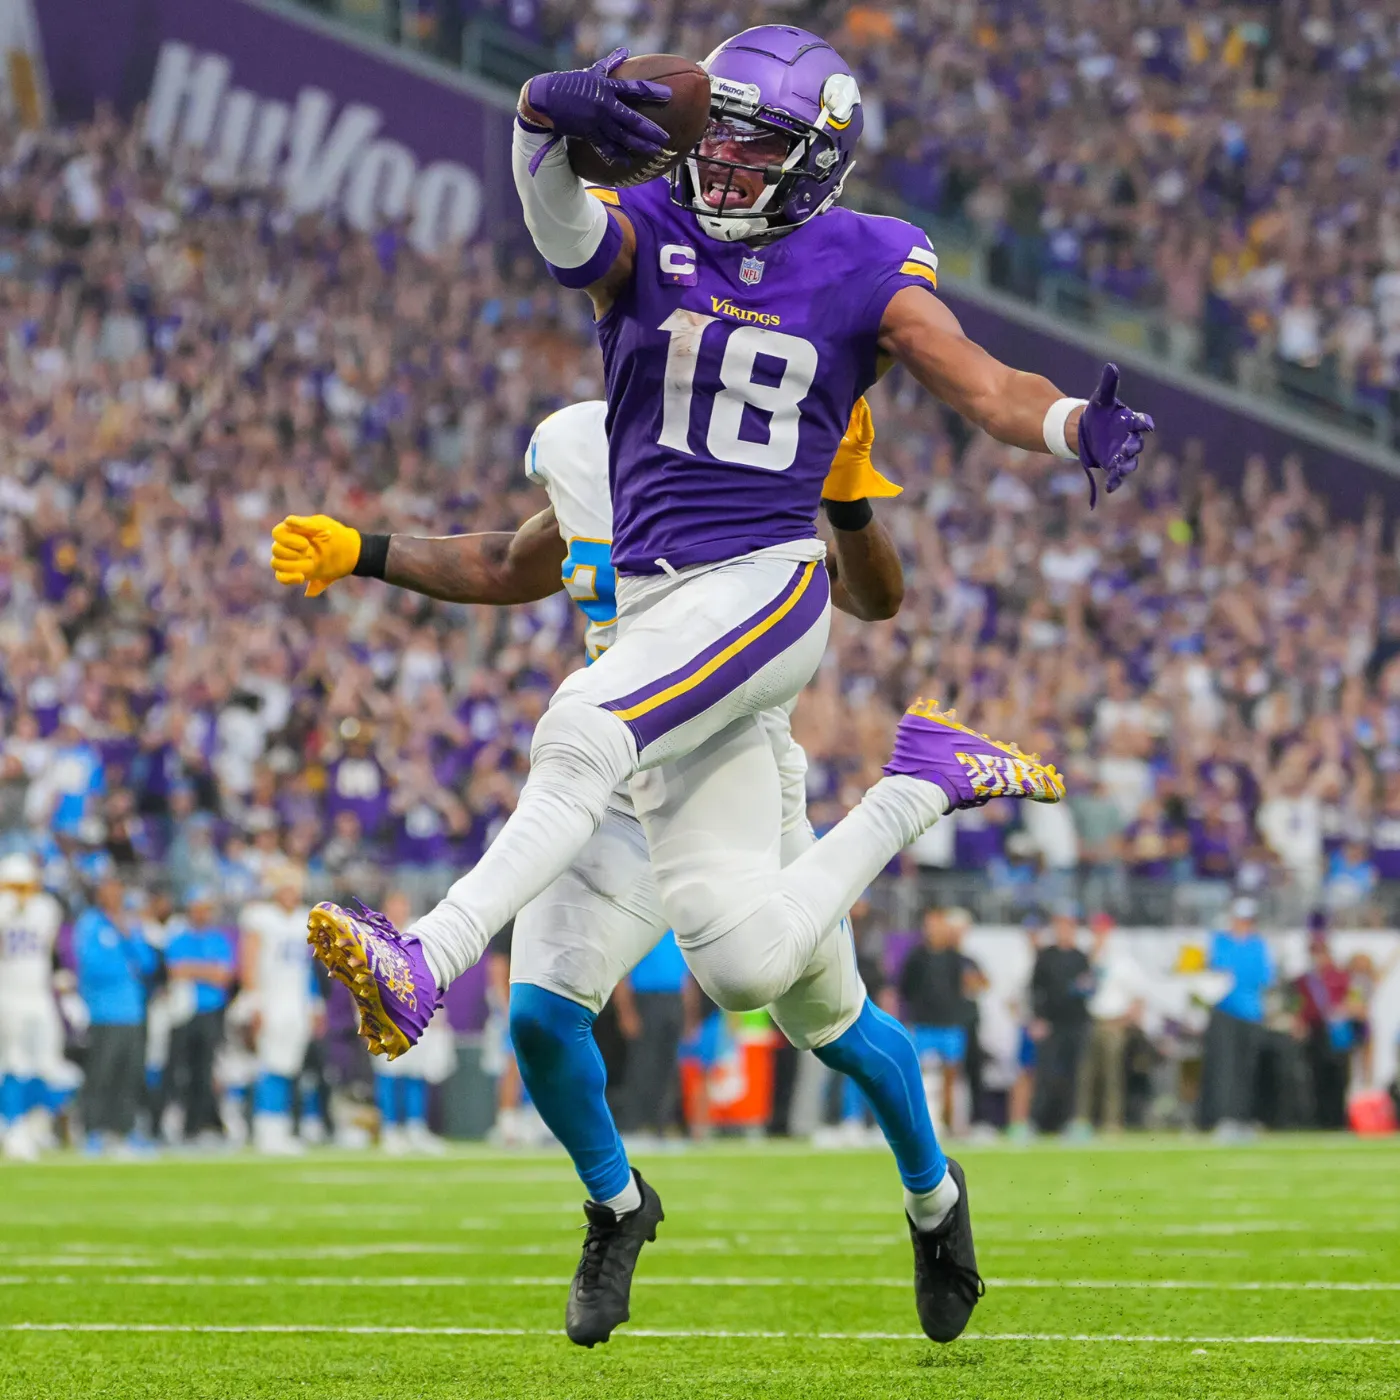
750	271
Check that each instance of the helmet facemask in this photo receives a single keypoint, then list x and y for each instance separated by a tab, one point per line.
782	151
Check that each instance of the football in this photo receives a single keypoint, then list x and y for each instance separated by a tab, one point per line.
684	117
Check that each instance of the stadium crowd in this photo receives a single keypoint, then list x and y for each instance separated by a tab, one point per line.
1234	166
1218	673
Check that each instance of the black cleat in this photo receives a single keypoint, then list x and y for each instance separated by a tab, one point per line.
602	1286
946	1282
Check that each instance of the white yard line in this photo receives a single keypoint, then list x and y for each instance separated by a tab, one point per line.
375	1281
665	1334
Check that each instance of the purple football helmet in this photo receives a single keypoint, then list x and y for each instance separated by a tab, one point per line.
774	79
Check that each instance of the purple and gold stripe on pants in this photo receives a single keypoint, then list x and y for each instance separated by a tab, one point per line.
669	701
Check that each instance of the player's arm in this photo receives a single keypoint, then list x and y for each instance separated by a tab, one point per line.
1020	409
494	567
249	961
867	578
586	244
629	1019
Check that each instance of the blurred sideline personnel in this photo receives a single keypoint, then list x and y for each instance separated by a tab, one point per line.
1062	982
1235	1035
116	970
199	966
574	943
279	1005
31	1032
738	329
938	987
1115	1008
651	1016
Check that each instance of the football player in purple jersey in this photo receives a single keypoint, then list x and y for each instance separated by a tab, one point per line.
741	312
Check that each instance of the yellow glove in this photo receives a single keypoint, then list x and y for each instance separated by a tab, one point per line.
314	550
853	476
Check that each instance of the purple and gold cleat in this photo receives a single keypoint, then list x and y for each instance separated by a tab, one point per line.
384	969
970	767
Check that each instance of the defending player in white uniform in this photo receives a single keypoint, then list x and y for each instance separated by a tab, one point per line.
280	1003
31	1030
596	921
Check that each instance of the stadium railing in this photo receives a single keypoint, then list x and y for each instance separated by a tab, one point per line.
976	259
481	43
1132	901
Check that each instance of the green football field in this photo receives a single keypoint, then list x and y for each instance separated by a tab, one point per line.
1146	1268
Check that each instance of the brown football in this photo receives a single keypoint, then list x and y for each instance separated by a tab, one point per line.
684	118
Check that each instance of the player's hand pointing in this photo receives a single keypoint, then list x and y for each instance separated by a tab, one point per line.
314	550
1110	435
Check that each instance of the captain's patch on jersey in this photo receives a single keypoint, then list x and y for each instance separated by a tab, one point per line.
677	264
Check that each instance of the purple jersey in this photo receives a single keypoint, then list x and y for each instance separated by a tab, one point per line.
357	784
732	372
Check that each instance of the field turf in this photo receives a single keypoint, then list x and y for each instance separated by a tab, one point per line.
1146	1268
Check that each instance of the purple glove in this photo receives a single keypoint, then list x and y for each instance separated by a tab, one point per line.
1110	435
586	103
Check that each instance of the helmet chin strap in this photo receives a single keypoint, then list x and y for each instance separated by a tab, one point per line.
731	230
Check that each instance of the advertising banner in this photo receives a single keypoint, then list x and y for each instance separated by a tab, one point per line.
266	96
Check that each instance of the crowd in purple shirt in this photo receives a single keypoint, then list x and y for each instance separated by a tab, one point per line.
1215	671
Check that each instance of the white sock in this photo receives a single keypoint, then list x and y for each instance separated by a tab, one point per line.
822	883
580	755
627	1200
929	1209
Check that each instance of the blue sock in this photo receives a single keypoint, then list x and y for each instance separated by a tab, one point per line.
386	1099
33	1093
273	1094
561	1067
310	1104
877	1052
11	1098
57	1100
415	1101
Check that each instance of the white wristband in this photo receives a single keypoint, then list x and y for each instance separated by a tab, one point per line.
1053	429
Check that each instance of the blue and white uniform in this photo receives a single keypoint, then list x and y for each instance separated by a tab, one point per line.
31	1031
588	929
285	994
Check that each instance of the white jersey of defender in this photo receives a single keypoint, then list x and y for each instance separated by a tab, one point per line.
284	991
568	456
283	969
28	929
31	1033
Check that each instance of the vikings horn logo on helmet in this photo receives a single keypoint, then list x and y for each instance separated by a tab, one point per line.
840	96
